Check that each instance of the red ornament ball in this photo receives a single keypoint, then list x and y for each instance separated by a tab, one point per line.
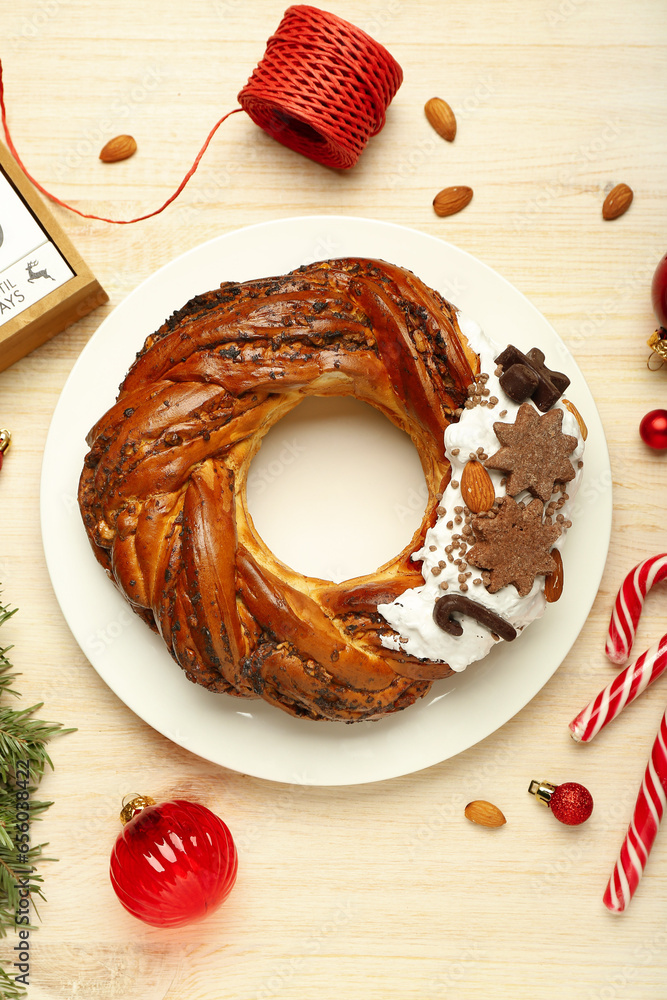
571	803
653	429
172	863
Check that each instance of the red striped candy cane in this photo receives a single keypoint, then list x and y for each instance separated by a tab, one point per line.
628	606
623	690
649	809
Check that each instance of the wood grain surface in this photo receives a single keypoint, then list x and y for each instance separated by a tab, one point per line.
381	890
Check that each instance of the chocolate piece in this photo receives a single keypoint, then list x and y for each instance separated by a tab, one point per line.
551	384
537	360
535	452
444	607
519	382
514	546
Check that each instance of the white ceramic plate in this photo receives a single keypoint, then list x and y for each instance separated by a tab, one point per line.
250	736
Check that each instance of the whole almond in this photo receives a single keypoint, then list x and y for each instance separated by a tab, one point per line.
476	488
441	117
451	200
617	202
578	417
553	582
484	813
118	148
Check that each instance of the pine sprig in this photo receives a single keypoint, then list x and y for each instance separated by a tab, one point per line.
23	759
25	738
9	989
21	736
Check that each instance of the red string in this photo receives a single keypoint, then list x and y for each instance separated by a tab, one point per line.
322	89
90	215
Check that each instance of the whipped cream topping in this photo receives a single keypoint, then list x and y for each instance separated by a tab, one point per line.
411	614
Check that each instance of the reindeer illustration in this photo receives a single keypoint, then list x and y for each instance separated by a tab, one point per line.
34	275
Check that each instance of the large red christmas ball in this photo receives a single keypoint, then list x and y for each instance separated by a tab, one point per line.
653	429
172	863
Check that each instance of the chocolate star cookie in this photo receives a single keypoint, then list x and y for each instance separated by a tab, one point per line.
514	545
535	452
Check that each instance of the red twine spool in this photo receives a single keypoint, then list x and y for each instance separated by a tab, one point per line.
322	89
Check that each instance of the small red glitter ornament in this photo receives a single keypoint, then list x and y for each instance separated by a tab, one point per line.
172	863
653	429
570	802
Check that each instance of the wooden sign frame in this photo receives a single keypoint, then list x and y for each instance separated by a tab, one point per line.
56	309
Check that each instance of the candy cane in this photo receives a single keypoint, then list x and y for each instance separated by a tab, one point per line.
628	606
649	809
623	690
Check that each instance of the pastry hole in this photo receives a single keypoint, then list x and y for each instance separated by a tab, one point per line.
336	490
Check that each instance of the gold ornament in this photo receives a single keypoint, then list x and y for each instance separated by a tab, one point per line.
135	804
658	344
542	790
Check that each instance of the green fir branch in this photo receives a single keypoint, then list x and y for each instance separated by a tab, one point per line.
23	738
10	990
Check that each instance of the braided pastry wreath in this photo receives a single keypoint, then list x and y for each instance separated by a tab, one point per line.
163	489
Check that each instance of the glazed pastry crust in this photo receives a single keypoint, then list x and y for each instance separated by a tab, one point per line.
163	489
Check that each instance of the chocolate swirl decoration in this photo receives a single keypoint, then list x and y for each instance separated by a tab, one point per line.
163	490
445	606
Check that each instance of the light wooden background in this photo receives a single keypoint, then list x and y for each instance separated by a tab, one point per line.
384	890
